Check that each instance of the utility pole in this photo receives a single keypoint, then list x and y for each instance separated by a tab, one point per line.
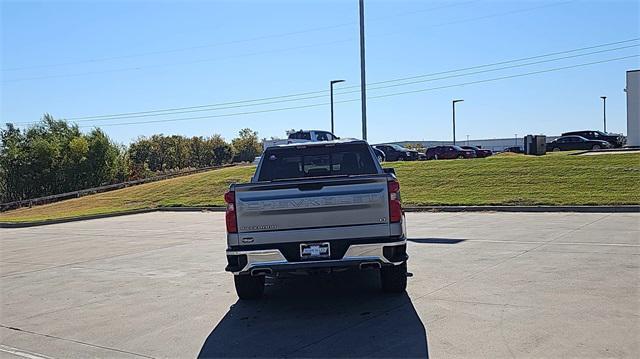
331	83
453	104
604	111
363	77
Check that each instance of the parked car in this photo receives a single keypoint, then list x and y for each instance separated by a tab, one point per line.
448	153
379	154
398	153
567	143
324	206
616	140
480	152
513	149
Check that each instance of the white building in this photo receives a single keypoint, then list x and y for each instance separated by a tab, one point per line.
633	108
494	144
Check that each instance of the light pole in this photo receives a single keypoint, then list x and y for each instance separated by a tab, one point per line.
467	140
604	111
331	83
453	104
363	77
516	138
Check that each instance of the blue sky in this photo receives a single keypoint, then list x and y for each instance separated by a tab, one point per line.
81	58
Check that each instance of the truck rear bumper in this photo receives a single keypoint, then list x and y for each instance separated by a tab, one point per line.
358	255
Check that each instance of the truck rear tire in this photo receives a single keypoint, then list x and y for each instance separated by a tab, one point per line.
249	287
394	278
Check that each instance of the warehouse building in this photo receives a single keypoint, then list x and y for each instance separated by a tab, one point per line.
633	108
494	144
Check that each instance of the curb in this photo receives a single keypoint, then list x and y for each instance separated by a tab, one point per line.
515	209
192	209
578	209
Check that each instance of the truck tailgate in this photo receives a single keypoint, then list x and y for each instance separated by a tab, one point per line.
312	205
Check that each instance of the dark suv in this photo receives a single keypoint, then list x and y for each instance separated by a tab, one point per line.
448	153
615	140
397	153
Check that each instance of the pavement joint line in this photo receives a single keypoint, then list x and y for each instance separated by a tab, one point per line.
75	341
583	252
555	244
27	263
485	303
95	259
22	353
62	309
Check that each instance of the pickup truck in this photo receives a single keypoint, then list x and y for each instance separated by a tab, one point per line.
318	206
301	137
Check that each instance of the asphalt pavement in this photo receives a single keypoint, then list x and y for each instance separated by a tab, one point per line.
484	285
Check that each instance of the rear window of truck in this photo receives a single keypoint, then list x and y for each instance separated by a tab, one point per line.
316	161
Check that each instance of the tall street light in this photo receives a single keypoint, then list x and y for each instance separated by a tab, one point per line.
363	77
604	111
453	103
331	83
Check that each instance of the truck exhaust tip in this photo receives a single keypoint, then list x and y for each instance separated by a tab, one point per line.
370	265
261	271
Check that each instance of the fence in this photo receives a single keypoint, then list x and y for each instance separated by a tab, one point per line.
75	194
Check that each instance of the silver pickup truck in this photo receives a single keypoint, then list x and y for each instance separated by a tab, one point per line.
318	206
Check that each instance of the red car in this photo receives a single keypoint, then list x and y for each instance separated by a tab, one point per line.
448	153
480	152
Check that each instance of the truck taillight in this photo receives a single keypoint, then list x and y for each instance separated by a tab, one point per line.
230	215
395	205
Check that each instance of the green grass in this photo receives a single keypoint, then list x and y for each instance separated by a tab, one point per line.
509	179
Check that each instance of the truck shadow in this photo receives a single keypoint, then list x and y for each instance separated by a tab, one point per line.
336	315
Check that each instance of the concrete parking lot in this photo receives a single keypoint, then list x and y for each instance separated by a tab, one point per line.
483	285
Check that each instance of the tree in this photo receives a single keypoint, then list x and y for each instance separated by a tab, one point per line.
53	157
101	159
246	146
221	150
161	153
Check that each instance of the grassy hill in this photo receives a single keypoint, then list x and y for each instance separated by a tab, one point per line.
508	179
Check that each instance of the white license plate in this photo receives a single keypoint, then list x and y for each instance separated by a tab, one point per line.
315	250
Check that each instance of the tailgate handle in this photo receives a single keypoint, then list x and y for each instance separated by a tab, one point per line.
310	187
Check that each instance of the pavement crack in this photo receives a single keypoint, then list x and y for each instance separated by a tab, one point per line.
504	339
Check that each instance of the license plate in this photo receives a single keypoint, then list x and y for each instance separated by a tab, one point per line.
315	250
